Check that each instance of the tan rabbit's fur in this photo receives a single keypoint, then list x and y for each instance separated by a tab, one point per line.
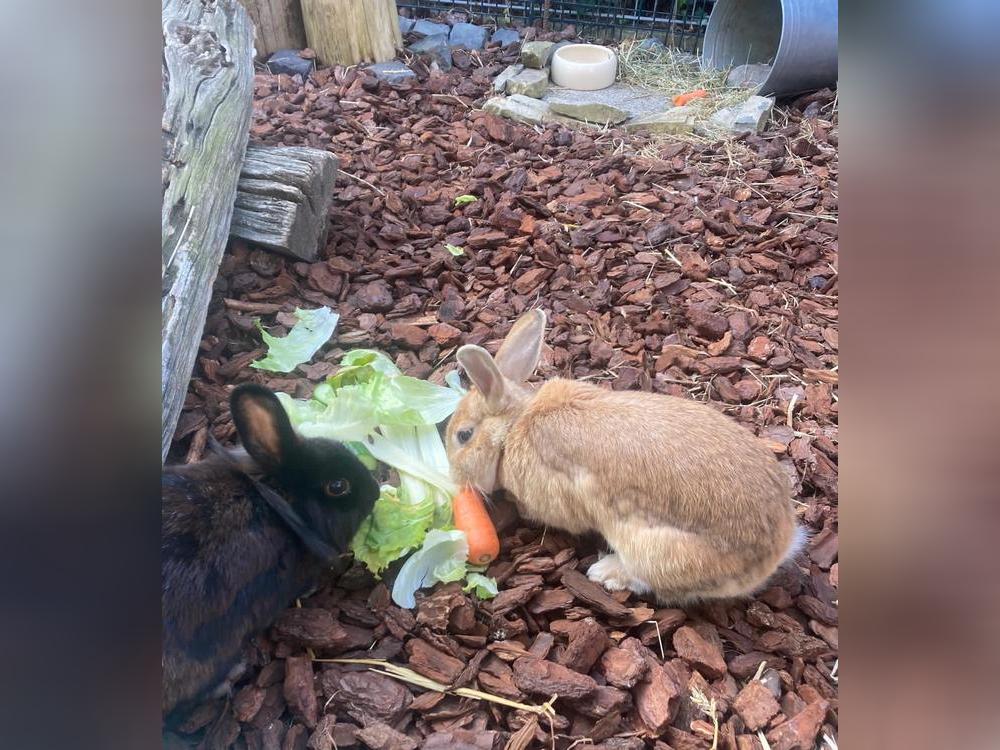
692	504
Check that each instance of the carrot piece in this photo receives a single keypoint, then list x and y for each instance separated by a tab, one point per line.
472	518
681	99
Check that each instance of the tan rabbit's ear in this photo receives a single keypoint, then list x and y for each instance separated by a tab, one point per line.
519	354
483	372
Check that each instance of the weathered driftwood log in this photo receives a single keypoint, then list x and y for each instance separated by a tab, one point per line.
278	23
352	31
207	85
283	198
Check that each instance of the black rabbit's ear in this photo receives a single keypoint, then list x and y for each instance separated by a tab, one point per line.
263	425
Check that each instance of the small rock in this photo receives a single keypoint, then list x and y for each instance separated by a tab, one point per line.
704	655
429	28
536	54
547	678
756	705
506	37
500	82
289	62
376	296
436	46
405	24
392	71
467	35
799	732
749	117
596	112
519	108
772	681
673	121
529	82
748	76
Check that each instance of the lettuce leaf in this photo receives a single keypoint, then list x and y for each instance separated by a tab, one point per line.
315	327
441	559
393	529
484	586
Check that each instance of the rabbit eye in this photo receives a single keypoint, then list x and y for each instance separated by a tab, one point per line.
463	436
337	488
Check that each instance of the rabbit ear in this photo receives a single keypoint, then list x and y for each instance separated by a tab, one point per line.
519	354
263	425
483	372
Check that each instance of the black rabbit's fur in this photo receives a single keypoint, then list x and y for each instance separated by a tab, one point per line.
230	563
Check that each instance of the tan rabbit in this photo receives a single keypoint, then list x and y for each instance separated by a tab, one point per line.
693	505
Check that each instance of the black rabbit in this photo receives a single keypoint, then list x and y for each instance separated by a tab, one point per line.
235	554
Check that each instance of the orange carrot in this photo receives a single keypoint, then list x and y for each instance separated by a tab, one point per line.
681	99
472	518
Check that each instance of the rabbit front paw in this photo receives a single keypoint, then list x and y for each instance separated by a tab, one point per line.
611	572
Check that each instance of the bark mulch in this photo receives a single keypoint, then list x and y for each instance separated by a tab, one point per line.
704	271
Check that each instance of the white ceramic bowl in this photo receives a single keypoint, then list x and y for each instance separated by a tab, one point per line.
584	67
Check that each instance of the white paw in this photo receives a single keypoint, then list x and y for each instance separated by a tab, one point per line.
611	573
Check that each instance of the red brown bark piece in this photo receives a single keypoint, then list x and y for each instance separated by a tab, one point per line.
550	600
547	678
657	699
463	739
367	696
431	662
587	642
510	599
799	732
593	594
755	705
703	654
604	700
300	689
622	667
379	736
310	627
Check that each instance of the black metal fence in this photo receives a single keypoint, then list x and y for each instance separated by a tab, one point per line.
678	23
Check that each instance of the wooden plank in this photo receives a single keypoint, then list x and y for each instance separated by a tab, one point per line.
283	199
207	89
352	31
278	23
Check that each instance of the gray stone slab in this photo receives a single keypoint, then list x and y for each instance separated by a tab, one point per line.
672	121
520	108
636	101
500	82
392	71
536	54
429	28
287	61
529	82
467	35
437	47
506	37
405	24
593	112
749	117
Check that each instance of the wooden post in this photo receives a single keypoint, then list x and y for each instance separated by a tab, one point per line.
352	31
207	90
279	25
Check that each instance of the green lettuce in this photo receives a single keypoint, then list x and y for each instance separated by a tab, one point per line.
441	559
485	587
389	418
315	327
393	529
